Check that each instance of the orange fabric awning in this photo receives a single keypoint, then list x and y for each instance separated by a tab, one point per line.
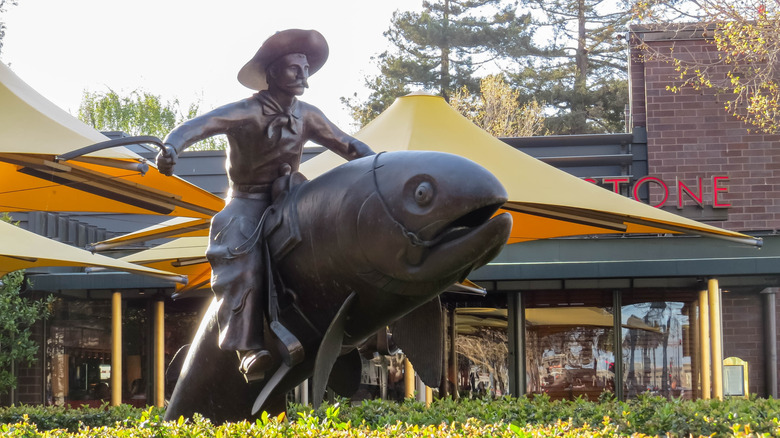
33	132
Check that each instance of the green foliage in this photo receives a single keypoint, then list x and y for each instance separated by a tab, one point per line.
505	417
139	113
3	8
440	49
72	419
497	109
746	68
650	415
17	316
582	71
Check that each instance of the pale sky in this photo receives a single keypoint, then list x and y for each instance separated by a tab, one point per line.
188	49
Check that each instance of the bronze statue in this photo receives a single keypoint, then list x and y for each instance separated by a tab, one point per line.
266	134
370	244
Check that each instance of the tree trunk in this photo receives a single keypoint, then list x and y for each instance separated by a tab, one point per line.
445	55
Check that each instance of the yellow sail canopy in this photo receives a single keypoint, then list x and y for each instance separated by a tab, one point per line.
174	227
34	131
545	202
22	249
185	256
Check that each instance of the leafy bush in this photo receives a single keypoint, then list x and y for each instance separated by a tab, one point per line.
505	417
70	419
651	415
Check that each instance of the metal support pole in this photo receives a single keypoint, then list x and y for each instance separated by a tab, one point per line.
453	371
444	390
770	341
617	328
116	349
305	392
409	379
694	337
704	341
516	336
716	337
159	353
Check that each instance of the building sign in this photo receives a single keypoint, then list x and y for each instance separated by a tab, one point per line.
694	191
105	371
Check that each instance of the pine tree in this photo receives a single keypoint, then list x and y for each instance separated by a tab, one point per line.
440	49
582	70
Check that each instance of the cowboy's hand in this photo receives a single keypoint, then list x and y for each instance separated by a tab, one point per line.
166	159
359	149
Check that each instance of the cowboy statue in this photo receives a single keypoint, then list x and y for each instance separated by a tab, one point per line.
266	134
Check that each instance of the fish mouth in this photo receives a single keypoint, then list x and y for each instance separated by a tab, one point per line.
463	245
467	223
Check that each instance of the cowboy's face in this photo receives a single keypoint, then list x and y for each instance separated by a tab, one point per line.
290	74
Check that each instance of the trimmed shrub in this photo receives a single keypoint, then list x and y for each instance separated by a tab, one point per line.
504	417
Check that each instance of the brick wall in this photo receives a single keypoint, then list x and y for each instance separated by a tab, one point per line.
690	136
743	335
29	383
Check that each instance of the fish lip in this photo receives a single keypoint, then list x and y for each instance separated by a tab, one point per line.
490	237
464	224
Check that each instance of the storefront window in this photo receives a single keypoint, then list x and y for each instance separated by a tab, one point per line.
569	344
482	347
657	348
79	349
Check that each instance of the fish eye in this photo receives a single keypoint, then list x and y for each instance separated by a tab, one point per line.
423	194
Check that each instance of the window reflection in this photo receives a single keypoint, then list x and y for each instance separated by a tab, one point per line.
569	340
569	360
656	349
483	351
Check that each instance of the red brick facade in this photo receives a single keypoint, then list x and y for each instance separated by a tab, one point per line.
690	135
743	335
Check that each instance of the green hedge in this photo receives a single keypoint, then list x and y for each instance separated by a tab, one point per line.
506	417
650	415
70	419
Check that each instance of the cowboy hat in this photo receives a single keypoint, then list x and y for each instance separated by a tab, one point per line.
309	42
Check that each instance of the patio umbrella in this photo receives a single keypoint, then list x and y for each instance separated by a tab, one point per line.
184	256
545	202
175	227
34	133
21	249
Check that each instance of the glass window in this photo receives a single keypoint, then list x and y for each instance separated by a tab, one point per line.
569	344
79	348
482	347
657	346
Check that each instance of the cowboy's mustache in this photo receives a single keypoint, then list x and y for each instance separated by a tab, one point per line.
299	83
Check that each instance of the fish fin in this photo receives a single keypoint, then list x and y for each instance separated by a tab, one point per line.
345	377
424	352
329	351
270	386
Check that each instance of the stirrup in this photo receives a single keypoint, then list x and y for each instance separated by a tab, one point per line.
254	364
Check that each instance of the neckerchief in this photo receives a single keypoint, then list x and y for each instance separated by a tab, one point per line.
289	118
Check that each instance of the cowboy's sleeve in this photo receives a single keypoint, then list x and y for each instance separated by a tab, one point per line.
215	122
325	133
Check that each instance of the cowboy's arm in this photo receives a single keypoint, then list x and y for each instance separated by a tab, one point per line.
325	133
215	122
